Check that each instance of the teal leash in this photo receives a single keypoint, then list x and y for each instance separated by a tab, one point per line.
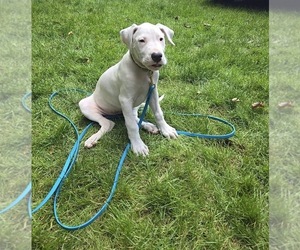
56	188
208	136
69	164
71	159
27	190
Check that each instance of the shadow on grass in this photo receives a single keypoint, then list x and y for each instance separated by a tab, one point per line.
286	5
260	5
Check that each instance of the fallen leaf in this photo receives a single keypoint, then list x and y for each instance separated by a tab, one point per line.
83	60
257	105
285	104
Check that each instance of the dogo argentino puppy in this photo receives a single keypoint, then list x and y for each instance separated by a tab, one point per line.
124	86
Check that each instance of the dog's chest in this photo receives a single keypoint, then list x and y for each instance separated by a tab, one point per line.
141	89
141	94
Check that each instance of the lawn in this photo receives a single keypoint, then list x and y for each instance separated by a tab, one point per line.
188	193
15	140
284	122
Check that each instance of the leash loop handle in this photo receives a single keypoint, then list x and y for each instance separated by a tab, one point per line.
209	136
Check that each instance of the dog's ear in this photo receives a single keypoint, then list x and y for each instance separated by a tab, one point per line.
167	31
126	34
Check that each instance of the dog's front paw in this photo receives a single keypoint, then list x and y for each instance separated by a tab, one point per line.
140	148
168	132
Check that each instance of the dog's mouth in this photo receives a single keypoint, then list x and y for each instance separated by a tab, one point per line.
157	65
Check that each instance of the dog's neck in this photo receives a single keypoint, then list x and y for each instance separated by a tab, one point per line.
137	62
142	67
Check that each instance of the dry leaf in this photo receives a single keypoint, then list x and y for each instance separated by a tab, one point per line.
257	105
83	60
285	104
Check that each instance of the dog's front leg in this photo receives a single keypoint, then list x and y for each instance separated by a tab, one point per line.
137	145
167	131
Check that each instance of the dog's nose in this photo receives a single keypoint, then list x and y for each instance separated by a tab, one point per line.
156	57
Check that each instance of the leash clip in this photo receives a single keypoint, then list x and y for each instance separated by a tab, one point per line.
151	83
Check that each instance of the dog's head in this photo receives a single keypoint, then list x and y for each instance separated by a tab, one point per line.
146	43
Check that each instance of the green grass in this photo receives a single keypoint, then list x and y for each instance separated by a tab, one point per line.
188	193
15	140
284	140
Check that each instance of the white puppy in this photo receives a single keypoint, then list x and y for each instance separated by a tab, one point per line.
124	86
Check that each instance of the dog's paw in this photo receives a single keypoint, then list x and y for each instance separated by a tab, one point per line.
168	132
92	141
140	148
150	128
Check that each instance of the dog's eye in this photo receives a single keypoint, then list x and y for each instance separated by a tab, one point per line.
161	39
141	40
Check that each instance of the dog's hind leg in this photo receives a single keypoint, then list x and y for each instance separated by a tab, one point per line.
91	111
148	126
